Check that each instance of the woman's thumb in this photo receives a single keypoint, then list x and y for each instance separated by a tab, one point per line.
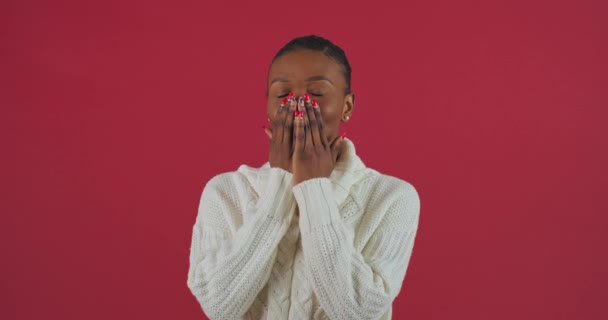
268	131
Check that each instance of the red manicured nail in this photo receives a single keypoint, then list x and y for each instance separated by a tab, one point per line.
290	96
296	113
307	97
315	104
283	102
301	114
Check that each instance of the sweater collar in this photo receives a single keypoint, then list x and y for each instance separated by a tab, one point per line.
348	170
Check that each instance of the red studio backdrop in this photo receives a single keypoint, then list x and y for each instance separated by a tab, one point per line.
116	113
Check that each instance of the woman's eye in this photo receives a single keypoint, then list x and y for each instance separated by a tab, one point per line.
315	94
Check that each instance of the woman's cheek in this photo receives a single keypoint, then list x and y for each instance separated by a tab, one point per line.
271	111
329	112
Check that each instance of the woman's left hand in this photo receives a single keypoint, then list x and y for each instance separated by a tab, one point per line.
313	155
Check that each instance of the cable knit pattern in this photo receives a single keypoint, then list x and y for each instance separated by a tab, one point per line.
326	248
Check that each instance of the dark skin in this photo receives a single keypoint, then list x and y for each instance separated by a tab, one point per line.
304	136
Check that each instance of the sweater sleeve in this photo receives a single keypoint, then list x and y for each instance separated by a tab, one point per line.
351	284
229	268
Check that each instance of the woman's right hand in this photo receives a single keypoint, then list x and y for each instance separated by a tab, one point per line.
281	146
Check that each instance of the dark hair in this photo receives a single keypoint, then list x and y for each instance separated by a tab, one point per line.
316	43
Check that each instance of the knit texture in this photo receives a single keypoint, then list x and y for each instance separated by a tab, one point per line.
325	248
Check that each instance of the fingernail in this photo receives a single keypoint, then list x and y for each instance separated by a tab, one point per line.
301	101
307	97
290	96
315	104
283	102
302	114
296	113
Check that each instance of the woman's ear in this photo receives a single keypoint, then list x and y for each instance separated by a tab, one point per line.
349	104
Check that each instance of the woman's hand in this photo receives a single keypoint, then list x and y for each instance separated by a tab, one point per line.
281	148
313	155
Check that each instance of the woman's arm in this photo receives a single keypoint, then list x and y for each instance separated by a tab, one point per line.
228	269
350	284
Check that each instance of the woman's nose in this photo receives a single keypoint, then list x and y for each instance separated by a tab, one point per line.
299	92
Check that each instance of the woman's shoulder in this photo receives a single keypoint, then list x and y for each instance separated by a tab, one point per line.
387	184
237	182
382	187
242	174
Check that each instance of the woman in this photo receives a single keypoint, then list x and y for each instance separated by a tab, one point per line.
313	233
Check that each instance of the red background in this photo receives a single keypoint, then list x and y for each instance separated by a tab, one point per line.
116	113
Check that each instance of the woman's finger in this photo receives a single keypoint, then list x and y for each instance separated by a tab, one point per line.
308	143
279	120
288	124
313	123
299	134
320	123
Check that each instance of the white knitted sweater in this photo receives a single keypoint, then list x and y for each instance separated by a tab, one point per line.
326	248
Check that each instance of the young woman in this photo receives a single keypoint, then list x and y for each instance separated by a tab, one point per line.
313	233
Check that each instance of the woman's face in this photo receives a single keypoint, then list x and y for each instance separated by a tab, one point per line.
307	71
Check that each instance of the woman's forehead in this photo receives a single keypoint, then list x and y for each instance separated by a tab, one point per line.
304	64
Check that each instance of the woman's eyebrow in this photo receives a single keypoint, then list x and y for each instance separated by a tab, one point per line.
279	79
317	78
313	78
